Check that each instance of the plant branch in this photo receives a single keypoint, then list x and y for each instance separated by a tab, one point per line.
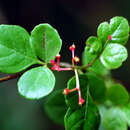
90	64
9	77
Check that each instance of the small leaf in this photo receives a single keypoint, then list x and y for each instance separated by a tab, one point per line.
97	87
83	118
46	41
55	107
16	53
117	94
103	32
94	45
126	110
113	56
114	120
87	56
118	29
36	83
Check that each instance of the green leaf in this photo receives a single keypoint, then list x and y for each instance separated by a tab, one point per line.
117	94
94	45
114	120
36	83
118	29
46	41
83	118
103	32
16	53
113	56
72	98
55	107
87	58
126	110
97	87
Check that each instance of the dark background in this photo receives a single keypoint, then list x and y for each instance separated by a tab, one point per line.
75	20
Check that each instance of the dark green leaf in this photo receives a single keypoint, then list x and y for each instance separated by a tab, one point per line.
97	87
46	41
85	117
36	83
117	94
94	45
82	119
114	120
16	53
55	107
72	98
118	29
113	56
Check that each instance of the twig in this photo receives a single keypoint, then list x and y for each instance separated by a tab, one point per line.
9	77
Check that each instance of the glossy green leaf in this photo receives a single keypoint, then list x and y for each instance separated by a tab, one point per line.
118	28
16	53
55	107
36	83
117	94
94	45
114	120
87	57
97	87
126	110
46	41
103	32
113	56
72	98
83	118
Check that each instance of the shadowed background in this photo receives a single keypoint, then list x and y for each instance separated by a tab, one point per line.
75	21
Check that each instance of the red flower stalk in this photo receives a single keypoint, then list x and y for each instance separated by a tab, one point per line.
58	61
68	91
